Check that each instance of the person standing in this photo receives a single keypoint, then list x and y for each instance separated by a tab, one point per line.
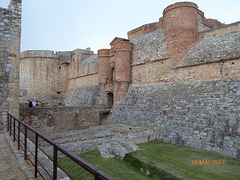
34	104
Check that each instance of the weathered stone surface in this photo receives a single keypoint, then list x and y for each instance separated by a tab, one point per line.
214	49
184	77
110	140
203	115
150	47
57	73
83	95
12	163
10	30
48	120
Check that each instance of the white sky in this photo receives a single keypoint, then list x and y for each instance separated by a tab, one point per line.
63	25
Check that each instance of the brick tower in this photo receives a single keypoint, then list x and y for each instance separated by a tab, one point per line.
180	28
114	72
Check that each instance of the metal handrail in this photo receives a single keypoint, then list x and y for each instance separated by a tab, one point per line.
11	127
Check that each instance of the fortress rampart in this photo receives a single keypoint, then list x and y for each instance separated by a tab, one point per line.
179	76
58	73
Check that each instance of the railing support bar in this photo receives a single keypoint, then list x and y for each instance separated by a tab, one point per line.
36	154
54	162
19	128
96	177
25	143
14	129
8	122
10	126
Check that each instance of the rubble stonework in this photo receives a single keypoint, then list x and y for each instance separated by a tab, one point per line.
10	30
58	119
179	75
203	115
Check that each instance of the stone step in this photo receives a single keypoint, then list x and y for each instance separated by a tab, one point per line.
111	140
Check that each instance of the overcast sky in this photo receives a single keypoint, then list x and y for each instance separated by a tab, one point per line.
63	25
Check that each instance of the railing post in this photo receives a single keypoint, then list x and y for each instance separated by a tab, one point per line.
25	142
97	177
14	130
8	122
19	128
55	151
10	125
36	155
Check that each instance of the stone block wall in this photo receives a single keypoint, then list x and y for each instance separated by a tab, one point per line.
142	30
10	31
218	32
149	48
49	120
203	115
40	76
83	96
209	59
87	73
58	73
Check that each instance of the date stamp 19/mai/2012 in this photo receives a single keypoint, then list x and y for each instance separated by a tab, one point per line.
208	162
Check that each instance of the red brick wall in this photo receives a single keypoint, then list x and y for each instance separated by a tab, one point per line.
104	70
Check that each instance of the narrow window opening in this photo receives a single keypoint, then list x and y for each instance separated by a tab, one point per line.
112	74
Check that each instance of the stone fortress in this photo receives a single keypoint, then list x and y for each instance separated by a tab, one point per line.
179	77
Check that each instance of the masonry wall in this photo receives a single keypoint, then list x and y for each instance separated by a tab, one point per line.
83	96
49	120
203	115
211	58
40	76
196	103
58	78
87	73
10	31
84	89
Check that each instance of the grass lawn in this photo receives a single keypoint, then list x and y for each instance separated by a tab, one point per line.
161	161
179	161
115	167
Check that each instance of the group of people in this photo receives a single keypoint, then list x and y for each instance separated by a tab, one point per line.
33	103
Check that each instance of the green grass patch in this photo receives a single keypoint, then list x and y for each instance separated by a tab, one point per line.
148	169
115	167
179	161
158	160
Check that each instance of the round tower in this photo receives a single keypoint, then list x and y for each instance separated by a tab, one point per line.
104	70
122	68
180	28
40	75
